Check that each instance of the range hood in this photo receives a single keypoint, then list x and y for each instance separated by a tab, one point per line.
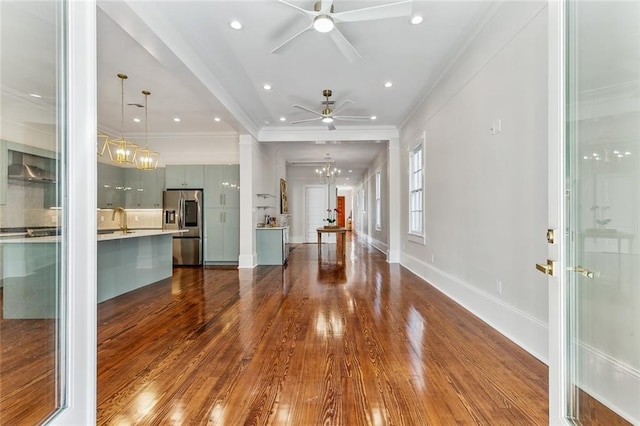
30	168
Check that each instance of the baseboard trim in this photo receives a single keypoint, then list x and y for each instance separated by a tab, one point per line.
247	260
621	387
521	328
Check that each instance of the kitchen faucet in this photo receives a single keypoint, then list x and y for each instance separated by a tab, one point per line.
123	218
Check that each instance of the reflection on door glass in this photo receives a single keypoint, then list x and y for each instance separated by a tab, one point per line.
31	216
604	206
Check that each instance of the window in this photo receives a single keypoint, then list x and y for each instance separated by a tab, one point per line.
415	191
378	201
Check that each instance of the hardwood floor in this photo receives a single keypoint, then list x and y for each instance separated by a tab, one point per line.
311	343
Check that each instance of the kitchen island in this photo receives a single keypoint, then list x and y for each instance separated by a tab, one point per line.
126	261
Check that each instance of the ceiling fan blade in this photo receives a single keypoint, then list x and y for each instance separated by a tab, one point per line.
391	10
304	121
343	44
342	105
306	12
308	110
325	7
310	26
351	117
331	126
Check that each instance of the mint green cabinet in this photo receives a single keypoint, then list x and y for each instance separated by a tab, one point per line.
111	186
184	176
272	245
222	185
143	188
222	235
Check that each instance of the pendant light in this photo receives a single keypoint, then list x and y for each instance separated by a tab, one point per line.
146	159
121	150
101	143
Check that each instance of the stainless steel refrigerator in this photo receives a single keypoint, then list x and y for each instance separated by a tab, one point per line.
182	210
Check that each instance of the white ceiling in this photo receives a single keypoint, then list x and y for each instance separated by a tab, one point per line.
198	68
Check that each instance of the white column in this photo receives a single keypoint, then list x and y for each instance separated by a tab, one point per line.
78	364
393	191
247	257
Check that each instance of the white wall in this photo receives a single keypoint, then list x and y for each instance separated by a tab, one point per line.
196	149
486	195
367	226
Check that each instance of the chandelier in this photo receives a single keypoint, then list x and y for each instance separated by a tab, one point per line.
329	172
121	150
146	159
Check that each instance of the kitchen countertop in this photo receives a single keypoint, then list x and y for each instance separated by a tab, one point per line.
116	235
271	227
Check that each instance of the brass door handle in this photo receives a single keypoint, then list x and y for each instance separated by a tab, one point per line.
546	269
584	271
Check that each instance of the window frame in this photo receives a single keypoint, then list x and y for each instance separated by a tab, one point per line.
416	192
378	195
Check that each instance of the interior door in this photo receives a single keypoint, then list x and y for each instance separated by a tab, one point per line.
340	208
595	287
315	211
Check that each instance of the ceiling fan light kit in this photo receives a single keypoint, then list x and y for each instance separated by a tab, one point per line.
328	115
323	19
323	23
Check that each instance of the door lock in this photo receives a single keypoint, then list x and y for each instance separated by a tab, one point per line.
551	236
546	269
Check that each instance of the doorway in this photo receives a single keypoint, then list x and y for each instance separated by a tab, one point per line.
340	208
315	206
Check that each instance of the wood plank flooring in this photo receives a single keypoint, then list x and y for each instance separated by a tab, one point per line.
311	343
308	344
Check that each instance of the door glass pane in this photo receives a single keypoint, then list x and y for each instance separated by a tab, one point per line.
603	206
31	215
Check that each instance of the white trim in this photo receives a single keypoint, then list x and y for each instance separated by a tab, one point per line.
312	134
521	328
416	238
621	385
81	218
558	386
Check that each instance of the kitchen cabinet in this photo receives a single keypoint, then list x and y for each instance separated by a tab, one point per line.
222	185
272	245
111	186
184	176
222	235
143	188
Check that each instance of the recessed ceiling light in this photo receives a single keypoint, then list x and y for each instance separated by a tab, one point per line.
416	19
373	117
267	87
236	25
347	178
137	120
283	119
34	95
177	120
388	84
217	119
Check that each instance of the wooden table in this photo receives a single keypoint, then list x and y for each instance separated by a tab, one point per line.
341	231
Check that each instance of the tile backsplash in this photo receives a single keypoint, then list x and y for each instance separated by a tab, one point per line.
25	206
25	209
136	219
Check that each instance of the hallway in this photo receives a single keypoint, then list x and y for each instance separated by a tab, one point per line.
309	343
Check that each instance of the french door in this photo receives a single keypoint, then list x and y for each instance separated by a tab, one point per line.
594	216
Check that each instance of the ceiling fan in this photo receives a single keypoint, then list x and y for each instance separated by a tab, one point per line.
323	20
328	115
